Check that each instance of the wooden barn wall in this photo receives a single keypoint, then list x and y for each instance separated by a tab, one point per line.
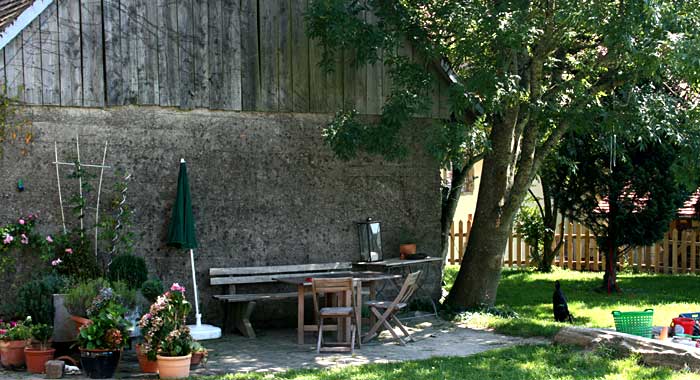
249	55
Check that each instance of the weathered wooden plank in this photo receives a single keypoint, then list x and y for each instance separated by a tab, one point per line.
350	74
269	55
434	94
3	76
14	68
375	85
444	95
147	53
317	79
334	83
31	57
92	49
129	19
249	271
250	59
216	57
231	55
300	57
168	53
185	26
70	56
285	58
114	74
200	14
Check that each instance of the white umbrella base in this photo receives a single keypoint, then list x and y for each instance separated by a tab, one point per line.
204	332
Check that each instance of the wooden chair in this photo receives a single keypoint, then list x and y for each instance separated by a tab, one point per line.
389	310
344	289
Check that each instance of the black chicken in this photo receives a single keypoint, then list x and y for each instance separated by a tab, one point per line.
561	308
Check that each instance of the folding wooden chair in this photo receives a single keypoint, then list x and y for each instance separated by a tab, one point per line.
344	290
388	316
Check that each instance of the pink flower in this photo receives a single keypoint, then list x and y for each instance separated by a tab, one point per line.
177	288
13	324
3	331
56	262
8	239
69	250
25	239
49	238
21	221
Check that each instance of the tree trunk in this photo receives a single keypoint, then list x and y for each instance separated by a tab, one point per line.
610	277
450	200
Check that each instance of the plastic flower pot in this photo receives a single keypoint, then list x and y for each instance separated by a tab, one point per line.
99	364
146	365
12	353
36	359
174	367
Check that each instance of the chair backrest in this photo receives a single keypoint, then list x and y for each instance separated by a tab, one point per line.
343	285
408	288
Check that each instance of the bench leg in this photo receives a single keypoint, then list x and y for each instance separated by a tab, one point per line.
241	318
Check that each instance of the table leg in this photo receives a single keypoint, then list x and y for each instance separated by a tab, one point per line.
300	314
373	297
358	312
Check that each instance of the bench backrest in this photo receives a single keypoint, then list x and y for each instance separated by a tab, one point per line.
257	275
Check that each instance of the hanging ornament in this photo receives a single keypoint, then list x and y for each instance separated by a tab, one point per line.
20	185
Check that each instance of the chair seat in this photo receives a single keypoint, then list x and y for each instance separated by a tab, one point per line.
384	304
335	311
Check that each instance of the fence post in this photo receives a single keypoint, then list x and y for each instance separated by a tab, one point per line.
657	257
562	248
518	250
587	249
693	250
666	253
510	251
460	249
685	236
452	243
570	246
577	245
674	250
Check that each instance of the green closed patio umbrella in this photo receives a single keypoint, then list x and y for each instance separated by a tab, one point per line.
181	234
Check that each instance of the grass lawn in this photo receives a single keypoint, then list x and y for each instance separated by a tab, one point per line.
530	295
522	362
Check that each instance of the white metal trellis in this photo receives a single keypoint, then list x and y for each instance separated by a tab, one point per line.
78	164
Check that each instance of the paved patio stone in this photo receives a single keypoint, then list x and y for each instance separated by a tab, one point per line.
277	351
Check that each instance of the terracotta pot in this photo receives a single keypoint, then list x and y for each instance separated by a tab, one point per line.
146	365
174	367
100	364
12	353
37	358
196	358
79	322
407	250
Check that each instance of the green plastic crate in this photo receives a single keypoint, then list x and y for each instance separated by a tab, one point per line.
634	322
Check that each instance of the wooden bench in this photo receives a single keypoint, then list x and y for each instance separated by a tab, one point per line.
243	304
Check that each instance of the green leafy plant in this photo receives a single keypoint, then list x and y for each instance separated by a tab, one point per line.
163	327
108	328
20	236
81	296
151	289
74	256
16	330
35	298
42	332
129	269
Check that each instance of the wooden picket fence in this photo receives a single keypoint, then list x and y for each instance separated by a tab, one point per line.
677	253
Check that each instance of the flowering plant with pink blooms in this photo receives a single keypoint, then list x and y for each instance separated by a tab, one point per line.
163	327
19	238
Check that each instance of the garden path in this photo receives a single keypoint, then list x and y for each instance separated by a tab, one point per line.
276	350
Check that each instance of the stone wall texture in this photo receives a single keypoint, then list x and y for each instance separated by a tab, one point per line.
266	189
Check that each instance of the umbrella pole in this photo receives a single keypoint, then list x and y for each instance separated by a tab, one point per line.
196	296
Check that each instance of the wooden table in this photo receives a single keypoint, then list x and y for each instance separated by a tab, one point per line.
361	279
403	268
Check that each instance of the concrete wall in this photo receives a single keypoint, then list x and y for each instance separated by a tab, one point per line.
266	189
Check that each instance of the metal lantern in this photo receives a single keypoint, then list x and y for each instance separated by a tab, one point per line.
370	234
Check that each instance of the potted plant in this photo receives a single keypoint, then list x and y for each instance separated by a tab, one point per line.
13	340
199	354
166	338
38	355
407	246
101	340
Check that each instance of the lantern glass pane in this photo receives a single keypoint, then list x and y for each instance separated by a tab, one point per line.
363	234
375	241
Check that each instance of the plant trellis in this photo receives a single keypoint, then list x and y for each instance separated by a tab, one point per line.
78	165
